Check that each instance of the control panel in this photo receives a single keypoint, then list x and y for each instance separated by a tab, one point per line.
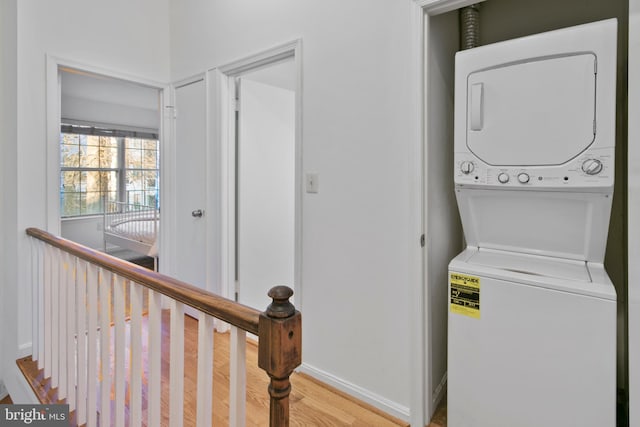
593	168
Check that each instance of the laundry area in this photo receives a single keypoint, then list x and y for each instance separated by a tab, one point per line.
535	306
532	316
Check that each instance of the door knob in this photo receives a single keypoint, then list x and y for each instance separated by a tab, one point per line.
197	213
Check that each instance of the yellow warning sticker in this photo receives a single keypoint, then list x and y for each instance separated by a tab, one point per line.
465	295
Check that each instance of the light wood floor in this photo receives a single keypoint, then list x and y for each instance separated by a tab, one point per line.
311	403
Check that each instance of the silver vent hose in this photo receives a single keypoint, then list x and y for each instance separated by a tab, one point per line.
470	26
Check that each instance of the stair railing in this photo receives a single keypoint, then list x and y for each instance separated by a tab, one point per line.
87	302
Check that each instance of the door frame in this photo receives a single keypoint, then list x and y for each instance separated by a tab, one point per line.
633	211
423	401
222	101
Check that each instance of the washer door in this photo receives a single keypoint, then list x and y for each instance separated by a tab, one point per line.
535	113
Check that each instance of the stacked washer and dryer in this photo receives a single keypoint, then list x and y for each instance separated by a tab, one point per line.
532	312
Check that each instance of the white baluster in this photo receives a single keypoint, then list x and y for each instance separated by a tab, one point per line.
33	246
41	304
55	316
205	369
105	347
92	326
176	383
238	377
154	358
81	333
135	376
72	349
119	367
47	311
62	336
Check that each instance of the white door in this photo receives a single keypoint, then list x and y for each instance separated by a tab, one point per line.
190	194
265	190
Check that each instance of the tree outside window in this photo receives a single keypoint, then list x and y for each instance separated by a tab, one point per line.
95	168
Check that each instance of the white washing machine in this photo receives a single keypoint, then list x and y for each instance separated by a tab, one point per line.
532	312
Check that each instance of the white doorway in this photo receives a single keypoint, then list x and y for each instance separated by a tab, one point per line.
265	182
88	103
257	102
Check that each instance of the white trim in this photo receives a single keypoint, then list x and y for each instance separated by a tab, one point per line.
633	212
167	186
53	96
421	408
218	134
211	203
105	72
388	406
262	59
189	80
224	113
296	46
222	101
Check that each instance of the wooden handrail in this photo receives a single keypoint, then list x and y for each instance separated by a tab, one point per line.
232	312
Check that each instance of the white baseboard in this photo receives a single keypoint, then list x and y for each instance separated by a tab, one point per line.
439	393
24	350
392	408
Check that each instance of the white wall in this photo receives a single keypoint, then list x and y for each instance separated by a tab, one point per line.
123	116
127	37
8	148
103	100
358	128
84	230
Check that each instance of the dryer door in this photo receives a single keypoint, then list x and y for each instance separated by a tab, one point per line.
533	113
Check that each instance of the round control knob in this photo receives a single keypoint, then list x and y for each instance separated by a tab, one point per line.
503	178
592	166
467	167
523	177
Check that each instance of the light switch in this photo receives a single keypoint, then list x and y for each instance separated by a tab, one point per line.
312	182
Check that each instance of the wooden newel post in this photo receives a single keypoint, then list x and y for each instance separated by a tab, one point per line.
280	350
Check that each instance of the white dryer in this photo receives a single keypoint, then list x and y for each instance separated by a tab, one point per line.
532	312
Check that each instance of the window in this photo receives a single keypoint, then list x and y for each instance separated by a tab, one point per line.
98	164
